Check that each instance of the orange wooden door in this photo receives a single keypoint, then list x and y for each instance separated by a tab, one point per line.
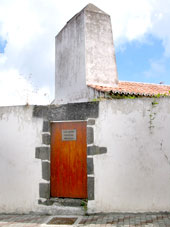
68	160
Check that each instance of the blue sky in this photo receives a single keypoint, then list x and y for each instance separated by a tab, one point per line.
135	61
27	29
2	45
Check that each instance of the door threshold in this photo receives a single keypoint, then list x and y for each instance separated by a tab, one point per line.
64	202
69	202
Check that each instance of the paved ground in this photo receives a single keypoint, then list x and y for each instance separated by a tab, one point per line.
128	220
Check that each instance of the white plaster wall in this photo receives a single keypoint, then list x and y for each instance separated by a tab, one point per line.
134	174
20	172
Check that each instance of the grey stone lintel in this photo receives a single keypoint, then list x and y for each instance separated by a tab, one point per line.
70	111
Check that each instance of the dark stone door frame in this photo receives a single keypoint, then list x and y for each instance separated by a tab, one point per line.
66	113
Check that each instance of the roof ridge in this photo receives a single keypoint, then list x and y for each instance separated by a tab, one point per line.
135	88
143	83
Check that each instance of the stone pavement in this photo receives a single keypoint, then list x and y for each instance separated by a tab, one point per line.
95	220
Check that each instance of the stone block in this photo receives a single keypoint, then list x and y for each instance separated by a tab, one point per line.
90	135
102	150
92	150
91	122
46	126
47	202
95	150
40	111
90	166
46	139
44	190
90	188
42	153
46	171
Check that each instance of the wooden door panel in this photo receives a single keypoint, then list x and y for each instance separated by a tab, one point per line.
68	161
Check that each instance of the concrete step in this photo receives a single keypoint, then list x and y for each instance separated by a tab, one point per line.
68	202
63	206
61	210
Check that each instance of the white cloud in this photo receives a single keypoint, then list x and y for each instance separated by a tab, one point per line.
160	23
30	26
15	89
130	19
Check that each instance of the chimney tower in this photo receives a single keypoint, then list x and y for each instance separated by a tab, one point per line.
84	55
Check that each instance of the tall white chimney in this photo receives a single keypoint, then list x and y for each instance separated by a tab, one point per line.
84	55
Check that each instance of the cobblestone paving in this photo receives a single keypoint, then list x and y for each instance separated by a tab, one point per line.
97	220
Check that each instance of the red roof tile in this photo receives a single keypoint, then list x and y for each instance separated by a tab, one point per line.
135	88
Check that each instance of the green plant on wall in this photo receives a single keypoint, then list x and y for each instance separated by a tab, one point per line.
152	114
115	96
111	95
120	96
84	204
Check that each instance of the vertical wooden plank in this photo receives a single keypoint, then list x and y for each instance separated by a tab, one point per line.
78	157
68	161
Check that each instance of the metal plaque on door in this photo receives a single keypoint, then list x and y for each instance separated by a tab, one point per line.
69	135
